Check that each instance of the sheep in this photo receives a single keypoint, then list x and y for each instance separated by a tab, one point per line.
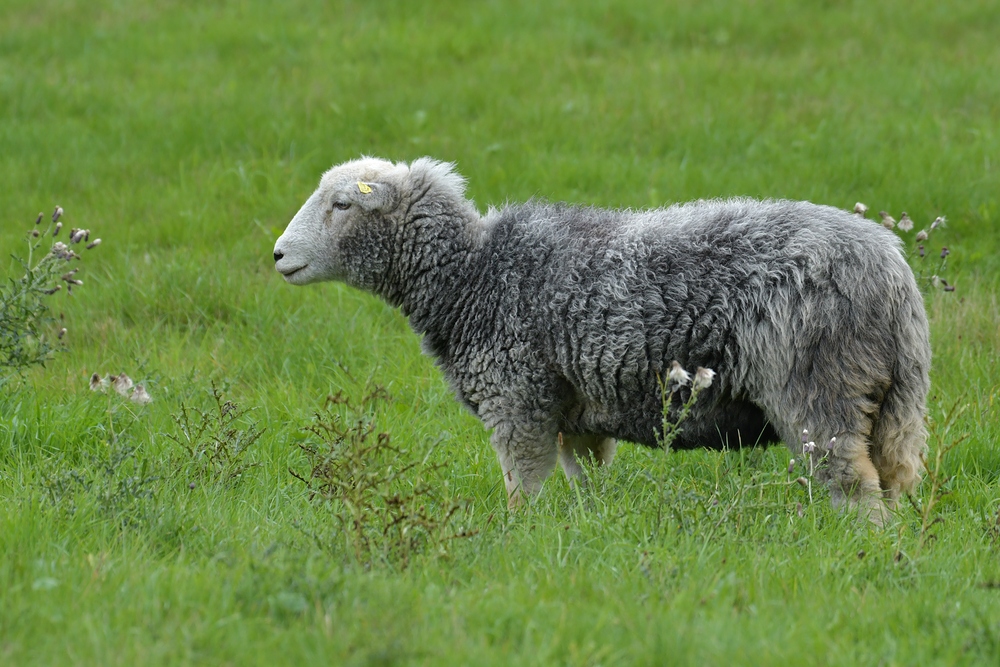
556	324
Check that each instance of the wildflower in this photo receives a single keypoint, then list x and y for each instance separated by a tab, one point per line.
809	447
945	252
703	378
140	396
860	209
38	220
62	332
68	275
802	481
121	383
53	290
921	249
805	436
678	374
887	220
34	233
93	244
58	227
938	222
97	383
947	287
830	445
77	235
905	223
922	235
791	466
935	281
56	214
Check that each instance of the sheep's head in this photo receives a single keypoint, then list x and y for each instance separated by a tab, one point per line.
326	240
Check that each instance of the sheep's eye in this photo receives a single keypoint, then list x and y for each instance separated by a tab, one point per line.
341	205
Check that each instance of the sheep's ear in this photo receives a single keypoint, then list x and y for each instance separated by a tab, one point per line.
375	196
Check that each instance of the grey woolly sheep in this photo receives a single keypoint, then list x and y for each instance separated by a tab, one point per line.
555	324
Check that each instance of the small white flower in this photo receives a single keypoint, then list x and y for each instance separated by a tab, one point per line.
678	374
703	378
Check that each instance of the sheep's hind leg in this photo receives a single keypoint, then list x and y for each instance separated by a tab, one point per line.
576	451
854	481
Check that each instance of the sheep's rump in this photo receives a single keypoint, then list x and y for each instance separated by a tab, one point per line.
583	310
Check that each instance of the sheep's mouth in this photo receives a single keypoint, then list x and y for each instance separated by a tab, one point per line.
289	273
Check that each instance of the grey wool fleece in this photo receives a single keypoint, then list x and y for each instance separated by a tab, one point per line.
556	323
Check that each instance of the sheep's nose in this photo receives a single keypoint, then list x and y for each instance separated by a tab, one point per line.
278	255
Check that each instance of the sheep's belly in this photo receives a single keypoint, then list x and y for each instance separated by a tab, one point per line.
732	425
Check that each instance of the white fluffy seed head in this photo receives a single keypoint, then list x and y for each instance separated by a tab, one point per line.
140	396
678	374
121	383
703	378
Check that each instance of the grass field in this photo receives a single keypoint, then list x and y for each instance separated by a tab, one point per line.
187	134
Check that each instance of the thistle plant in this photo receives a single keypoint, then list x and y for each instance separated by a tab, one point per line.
676	385
928	275
29	331
388	505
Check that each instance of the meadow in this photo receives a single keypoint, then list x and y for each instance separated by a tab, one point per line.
187	134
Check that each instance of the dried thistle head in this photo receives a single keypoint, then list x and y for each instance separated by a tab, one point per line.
703	378
922	235
887	220
97	383
140	395
56	214
678	374
121	383
905	223
860	209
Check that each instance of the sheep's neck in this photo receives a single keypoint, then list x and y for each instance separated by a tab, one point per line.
432	256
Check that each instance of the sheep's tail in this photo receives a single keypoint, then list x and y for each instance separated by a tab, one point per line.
899	436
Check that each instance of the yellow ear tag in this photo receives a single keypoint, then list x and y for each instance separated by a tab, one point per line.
364	188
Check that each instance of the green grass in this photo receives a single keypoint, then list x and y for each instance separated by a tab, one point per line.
187	134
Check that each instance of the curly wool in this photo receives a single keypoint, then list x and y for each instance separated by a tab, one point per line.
551	319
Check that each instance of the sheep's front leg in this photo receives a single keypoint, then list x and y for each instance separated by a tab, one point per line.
575	451
527	457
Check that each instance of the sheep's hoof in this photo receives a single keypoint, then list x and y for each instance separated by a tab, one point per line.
516	501
869	507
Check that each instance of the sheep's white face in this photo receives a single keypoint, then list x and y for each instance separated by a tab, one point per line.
312	248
